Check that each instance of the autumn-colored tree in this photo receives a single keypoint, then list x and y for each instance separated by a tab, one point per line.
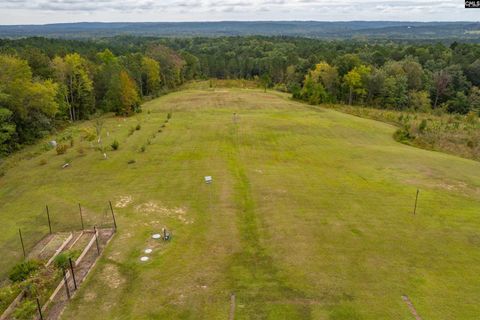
129	99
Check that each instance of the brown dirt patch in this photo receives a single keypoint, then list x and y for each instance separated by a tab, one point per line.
152	207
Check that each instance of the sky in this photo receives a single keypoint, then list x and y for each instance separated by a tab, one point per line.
56	11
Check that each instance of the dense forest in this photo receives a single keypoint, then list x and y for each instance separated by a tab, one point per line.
47	83
395	30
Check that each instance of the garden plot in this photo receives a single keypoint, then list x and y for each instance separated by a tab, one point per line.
45	279
46	248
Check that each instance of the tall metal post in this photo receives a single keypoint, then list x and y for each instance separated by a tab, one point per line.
39	309
73	273
81	215
416	201
66	283
21	240
48	217
96	239
113	215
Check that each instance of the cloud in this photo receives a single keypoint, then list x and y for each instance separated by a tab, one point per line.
195	10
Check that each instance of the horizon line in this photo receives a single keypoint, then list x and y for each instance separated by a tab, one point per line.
242	21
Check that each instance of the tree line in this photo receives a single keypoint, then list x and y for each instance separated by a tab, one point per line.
47	82
40	92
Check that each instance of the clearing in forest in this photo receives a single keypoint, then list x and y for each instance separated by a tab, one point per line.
309	215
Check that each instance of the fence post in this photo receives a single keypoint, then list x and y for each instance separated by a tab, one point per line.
73	273
113	215
416	200
21	240
66	283
48	217
39	309
81	215
96	239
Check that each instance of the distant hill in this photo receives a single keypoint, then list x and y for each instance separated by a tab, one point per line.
314	29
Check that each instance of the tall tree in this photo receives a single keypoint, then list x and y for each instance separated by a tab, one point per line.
356	80
129	99
441	80
72	71
151	75
31	103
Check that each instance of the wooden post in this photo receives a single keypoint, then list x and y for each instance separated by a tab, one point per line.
48	217
66	283
73	273
113	215
23	246
81	215
232	307
39	307
416	200
96	239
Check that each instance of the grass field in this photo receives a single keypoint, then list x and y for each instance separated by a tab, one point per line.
309	215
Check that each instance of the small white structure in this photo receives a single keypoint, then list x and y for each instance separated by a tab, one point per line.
148	251
143	259
53	143
208	179
156	236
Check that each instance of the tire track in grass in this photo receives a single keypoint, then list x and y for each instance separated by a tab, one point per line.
258	285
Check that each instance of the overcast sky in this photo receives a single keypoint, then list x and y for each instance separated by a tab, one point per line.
52	11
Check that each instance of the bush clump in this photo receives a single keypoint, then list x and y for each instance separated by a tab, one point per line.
23	270
26	310
42	162
138	127
61	261
115	145
132	161
62	148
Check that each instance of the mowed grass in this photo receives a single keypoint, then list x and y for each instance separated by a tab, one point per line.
309	215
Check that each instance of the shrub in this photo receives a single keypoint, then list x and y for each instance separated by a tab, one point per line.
149	141
115	145
23	270
169	116
72	142
61	261
143	148
403	135
7	295
88	134
138	127
62	148
131	131
132	161
159	130
26	310
42	162
423	125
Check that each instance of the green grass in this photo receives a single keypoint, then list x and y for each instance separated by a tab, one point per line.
309	215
